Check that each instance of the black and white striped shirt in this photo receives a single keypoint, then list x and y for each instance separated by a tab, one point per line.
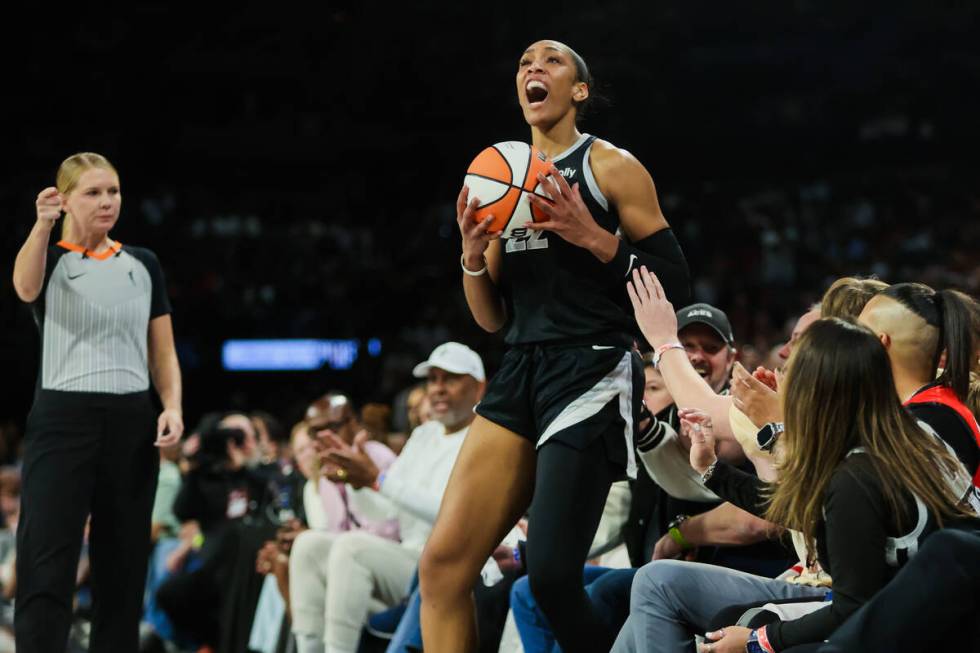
93	314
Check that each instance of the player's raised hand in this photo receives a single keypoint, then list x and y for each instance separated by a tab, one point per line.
48	204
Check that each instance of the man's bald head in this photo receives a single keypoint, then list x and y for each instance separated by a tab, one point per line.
910	340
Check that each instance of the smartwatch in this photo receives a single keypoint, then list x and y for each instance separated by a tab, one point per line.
752	645
768	434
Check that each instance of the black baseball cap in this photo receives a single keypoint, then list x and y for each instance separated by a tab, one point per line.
706	314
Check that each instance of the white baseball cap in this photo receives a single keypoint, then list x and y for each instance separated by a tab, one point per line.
455	358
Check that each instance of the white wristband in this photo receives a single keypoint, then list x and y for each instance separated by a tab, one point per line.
478	273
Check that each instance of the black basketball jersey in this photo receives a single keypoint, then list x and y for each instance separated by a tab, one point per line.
554	290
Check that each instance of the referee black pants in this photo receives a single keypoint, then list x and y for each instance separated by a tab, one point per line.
85	454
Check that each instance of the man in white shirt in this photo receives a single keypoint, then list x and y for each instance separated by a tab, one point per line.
341	578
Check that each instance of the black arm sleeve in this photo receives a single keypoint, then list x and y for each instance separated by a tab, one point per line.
735	486
855	524
661	254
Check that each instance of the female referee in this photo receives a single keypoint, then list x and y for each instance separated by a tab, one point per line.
104	319
556	424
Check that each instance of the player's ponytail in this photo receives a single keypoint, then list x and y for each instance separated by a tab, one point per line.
584	75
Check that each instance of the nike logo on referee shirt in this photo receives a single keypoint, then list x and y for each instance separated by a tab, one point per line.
72	277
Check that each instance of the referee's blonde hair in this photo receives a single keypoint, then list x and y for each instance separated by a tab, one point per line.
70	171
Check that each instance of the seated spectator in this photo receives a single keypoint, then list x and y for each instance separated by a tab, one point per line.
755	394
351	569
688	518
270	438
419	409
847	297
333	423
756	416
376	418
920	329
218	493
165	535
272	560
9	514
249	447
330	507
307	462
416	412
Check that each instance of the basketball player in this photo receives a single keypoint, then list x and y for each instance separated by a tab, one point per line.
556	424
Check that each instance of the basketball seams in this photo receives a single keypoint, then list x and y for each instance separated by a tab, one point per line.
506	162
502	183
527	168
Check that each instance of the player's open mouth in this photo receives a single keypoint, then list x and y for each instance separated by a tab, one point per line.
703	372
536	92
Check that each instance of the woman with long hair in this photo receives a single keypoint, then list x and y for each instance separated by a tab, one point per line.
857	475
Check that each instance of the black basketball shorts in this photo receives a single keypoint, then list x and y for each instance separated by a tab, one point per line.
571	394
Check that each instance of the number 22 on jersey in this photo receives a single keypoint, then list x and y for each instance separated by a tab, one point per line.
524	239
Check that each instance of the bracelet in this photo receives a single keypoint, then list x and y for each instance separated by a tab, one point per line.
663	349
674	530
678	537
708	473
478	273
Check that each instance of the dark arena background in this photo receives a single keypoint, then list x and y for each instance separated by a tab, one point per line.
295	169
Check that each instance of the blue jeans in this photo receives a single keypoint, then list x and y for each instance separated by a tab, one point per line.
609	590
409	631
671	600
156	574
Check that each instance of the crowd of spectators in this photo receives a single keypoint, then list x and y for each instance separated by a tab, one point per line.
270	538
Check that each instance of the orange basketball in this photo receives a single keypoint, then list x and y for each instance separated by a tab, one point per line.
501	177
